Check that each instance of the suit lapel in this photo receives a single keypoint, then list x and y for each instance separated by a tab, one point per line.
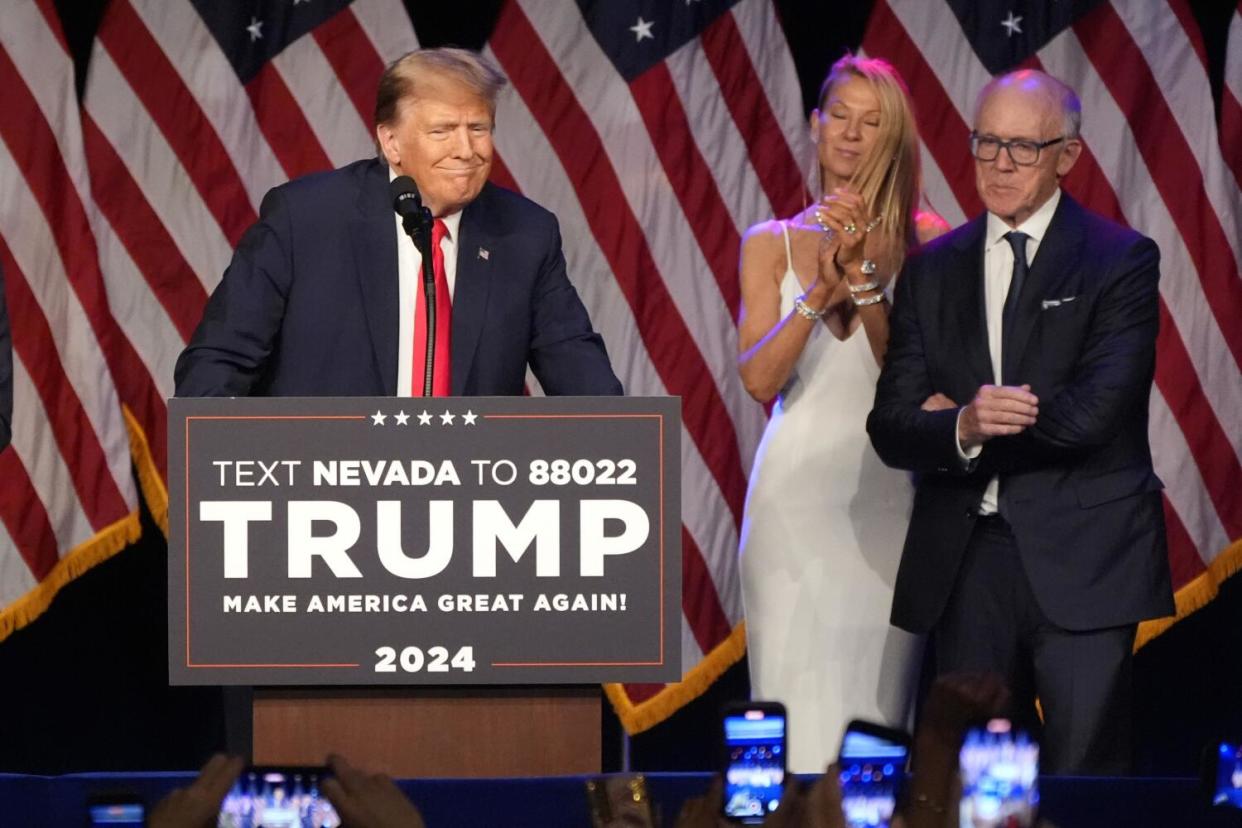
968	299
1058	251
475	251
373	236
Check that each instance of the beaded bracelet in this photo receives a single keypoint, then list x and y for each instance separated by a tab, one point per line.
806	311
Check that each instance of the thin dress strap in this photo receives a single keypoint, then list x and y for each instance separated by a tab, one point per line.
788	251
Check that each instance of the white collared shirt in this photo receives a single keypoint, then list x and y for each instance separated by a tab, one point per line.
409	281
997	274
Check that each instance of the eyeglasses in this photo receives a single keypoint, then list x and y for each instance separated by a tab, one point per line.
1022	153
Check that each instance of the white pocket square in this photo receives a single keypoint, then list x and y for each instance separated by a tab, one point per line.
1056	303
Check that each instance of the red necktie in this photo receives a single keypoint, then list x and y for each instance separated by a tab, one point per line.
440	381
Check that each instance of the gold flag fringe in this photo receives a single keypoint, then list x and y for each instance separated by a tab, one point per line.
149	478
1196	594
103	545
647	714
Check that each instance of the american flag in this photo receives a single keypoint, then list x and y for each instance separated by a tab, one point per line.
1155	159
656	131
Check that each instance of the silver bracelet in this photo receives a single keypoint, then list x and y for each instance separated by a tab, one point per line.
806	311
868	300
863	288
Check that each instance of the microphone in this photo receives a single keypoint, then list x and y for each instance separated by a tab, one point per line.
408	204
416	219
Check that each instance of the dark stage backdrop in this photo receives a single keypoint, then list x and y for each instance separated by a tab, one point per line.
84	687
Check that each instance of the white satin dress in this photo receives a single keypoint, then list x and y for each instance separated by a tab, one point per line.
822	535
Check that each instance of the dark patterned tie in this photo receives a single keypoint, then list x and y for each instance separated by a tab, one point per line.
1010	314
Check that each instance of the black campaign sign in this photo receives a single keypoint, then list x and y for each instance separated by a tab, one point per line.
479	540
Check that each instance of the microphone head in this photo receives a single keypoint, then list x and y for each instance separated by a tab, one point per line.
405	198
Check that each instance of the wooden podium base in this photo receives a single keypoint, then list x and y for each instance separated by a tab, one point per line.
465	732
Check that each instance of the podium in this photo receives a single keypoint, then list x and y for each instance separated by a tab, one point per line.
468	732
431	588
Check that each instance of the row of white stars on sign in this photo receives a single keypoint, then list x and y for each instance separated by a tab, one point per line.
256	25
447	418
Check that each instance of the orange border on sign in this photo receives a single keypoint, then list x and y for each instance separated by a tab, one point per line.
658	417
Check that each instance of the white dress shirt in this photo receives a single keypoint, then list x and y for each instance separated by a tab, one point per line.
410	287
997	273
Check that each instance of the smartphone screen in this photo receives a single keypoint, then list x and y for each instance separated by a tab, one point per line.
1000	772
1228	790
873	767
755	772
116	814
277	798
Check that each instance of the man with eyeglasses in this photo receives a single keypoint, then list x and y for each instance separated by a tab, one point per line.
1037	541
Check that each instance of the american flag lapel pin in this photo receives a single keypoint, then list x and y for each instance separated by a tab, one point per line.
483	254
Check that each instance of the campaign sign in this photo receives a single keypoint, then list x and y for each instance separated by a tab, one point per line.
387	540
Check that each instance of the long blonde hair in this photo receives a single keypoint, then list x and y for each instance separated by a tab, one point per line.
889	178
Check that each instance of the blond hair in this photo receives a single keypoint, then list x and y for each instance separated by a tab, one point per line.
889	178
402	78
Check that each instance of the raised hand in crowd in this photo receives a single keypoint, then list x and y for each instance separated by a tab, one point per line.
955	702
368	800
198	804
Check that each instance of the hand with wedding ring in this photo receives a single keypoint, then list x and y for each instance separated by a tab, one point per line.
844	212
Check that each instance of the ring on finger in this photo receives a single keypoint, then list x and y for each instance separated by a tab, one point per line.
851	228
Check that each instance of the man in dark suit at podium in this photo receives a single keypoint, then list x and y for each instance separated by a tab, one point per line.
323	296
1037	538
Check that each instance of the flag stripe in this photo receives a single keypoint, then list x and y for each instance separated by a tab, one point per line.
1166	45
310	78
25	517
284	125
71	428
700	601
941	128
1231	99
538	81
145	238
215	88
30	140
1184	562
1184	487
686	169
153	164
174	110
388	27
51	22
770	153
1122	68
353	58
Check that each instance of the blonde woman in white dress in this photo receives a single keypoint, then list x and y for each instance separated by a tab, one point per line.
825	519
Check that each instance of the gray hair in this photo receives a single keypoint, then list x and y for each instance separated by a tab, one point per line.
1056	90
403	76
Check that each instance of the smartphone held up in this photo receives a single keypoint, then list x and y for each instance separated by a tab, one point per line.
754	773
270	797
1000	772
872	763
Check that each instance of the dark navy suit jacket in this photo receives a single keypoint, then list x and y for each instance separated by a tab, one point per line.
1078	487
308	305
